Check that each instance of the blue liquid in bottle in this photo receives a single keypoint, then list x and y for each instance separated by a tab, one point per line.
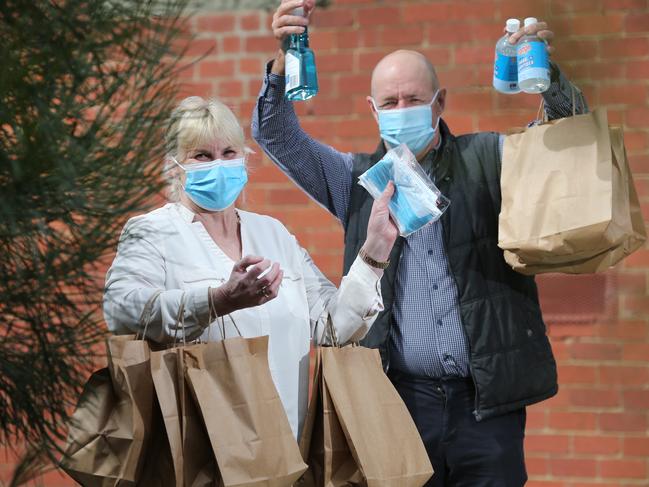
301	75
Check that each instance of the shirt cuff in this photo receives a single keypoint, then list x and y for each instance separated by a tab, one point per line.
273	89
558	85
198	306
560	96
368	285
365	274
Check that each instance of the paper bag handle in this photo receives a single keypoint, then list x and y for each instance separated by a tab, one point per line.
147	315
180	320
331	331
233	322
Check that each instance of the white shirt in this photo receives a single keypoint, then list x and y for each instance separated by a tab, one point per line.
165	257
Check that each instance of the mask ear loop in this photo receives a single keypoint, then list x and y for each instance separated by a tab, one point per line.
178	163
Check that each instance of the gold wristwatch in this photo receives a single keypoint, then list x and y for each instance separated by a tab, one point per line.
371	262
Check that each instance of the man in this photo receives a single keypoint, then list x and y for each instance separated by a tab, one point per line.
462	337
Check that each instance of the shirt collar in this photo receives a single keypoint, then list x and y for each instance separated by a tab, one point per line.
185	213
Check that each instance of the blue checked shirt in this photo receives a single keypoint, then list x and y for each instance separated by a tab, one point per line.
427	338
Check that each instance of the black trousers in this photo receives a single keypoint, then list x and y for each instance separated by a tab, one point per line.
463	452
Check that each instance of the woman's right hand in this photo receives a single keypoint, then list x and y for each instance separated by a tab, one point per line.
244	288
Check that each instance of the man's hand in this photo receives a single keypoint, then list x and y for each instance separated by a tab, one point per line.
381	230
539	29
285	24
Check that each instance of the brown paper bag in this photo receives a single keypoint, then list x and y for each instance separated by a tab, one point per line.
248	429
380	432
583	249
193	462
323	443
158	464
112	422
564	194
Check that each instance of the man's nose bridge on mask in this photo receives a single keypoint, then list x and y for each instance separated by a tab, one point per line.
404	102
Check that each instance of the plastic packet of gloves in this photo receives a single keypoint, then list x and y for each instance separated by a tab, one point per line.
416	201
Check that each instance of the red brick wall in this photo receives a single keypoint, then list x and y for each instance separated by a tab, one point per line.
595	431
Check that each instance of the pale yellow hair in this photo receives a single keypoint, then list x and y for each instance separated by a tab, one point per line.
195	122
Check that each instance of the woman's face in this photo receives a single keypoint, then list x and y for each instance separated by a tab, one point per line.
212	151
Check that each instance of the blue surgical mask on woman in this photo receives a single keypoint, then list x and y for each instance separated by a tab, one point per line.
412	126
215	185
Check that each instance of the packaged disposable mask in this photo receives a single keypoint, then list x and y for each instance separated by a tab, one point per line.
416	201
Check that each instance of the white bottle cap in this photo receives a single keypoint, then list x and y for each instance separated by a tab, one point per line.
298	11
530	21
512	25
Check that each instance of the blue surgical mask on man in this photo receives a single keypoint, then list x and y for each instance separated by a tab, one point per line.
412	126
215	185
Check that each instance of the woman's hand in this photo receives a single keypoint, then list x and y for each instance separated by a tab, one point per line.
244	288
381	230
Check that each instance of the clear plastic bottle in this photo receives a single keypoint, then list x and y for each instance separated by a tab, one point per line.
505	63
533	64
300	72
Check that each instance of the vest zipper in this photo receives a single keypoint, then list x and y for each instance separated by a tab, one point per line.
476	400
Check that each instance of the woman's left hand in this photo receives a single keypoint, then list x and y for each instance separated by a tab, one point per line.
381	230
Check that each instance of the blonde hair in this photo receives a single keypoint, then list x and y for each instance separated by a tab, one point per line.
195	122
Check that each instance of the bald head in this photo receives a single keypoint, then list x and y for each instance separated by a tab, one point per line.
405	79
404	69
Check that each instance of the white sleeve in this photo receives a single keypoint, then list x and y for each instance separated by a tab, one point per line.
136	280
352	308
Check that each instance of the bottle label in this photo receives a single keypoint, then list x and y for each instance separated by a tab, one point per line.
532	61
505	73
292	72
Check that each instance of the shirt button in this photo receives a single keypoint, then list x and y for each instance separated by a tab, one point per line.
435	287
430	251
439	322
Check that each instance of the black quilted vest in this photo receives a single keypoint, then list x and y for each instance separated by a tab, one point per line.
510	356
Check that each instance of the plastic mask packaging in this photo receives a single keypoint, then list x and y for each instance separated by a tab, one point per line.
416	201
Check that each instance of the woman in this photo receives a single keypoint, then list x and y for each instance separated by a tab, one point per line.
198	257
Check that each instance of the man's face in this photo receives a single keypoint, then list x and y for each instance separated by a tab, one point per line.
396	89
401	82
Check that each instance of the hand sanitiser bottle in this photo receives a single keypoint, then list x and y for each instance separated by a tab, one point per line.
301	75
533	64
505	63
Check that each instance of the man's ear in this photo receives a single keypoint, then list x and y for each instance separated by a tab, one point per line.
370	102
441	100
